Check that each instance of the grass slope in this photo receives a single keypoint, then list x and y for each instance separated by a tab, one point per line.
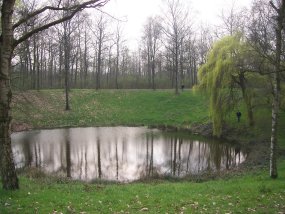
109	107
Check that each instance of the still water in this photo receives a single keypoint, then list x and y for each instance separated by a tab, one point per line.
120	153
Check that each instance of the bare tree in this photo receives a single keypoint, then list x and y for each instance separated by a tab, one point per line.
233	21
175	28
152	33
67	49
101	37
118	40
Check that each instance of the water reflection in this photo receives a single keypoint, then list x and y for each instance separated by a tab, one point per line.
120	153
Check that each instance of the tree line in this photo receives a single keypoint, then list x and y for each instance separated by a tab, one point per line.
91	51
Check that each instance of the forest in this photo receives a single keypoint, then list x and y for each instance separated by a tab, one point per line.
69	63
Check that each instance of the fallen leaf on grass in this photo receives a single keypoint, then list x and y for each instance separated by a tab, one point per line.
251	209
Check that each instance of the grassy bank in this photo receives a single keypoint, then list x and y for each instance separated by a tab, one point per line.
109	107
248	192
45	109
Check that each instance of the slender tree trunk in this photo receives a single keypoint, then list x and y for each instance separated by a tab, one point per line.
85	61
38	69
42	67
117	64
276	90
109	67
61	51
247	99
148	67
76	70
176	67
98	74
181	65
67	62
35	62
49	82
117	70
195	72
8	172
153	72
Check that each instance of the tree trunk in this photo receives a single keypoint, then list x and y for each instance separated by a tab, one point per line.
153	72
148	67
117	65
176	66
99	59
8	172
276	92
85	61
247	99
66	38
276	89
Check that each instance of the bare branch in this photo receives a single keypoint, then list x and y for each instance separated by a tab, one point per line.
88	4
74	9
274	7
113	17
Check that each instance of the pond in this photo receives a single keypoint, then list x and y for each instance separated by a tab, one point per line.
121	153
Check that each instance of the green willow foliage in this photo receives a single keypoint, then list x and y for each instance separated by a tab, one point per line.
216	78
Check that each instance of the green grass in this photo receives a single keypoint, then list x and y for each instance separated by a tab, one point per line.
252	193
109	107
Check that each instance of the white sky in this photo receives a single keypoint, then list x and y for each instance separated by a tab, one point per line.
137	11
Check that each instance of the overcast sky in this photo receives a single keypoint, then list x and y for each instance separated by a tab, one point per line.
137	11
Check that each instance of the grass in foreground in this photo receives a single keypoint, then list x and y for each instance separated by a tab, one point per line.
252	193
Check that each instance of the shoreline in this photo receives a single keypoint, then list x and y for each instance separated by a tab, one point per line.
258	155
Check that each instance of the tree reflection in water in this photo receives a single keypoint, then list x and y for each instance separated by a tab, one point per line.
121	153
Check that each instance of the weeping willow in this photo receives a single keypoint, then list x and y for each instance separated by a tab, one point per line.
223	76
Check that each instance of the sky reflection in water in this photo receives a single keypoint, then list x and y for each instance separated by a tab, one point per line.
120	153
